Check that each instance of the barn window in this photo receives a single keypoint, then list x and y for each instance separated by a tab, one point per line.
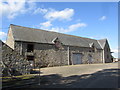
89	50
30	58
30	47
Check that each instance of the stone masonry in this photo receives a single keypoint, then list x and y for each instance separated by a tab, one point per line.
12	60
47	55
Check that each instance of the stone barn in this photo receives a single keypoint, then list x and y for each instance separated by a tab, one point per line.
47	48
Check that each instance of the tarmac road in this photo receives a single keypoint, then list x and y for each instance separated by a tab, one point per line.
81	76
77	69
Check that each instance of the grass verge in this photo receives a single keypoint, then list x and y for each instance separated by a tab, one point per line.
17	80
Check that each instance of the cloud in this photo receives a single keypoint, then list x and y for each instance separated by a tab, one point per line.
115	52
52	14
76	26
69	29
46	24
13	8
40	10
65	14
103	18
2	35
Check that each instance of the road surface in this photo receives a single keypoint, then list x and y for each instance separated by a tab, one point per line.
80	76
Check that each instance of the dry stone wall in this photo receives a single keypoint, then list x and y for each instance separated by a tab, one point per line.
13	61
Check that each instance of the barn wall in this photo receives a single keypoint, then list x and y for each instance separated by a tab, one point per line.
53	56
10	39
107	54
45	54
97	55
48	55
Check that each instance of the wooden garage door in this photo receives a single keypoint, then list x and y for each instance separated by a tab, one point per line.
77	58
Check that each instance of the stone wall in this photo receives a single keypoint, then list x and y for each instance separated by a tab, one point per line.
107	54
54	57
96	55
12	60
47	55
0	58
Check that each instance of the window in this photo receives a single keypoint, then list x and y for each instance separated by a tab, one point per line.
89	50
30	58
30	47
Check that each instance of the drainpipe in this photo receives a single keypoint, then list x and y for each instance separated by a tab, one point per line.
68	56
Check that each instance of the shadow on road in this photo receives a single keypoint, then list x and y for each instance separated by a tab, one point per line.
107	78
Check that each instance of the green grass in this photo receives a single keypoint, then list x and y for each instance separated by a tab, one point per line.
16	80
27	76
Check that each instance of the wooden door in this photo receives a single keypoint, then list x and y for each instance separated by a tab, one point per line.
77	58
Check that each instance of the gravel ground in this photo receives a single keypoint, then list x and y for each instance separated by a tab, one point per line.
79	76
66	71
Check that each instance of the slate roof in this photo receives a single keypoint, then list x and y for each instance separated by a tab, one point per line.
102	42
21	33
